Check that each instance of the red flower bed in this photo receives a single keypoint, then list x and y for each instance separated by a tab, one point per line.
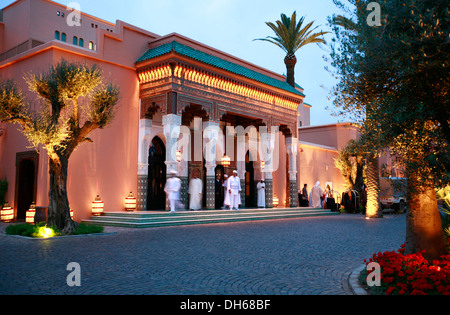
412	274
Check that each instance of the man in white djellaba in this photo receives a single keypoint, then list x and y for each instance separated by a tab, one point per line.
234	189
226	193
261	193
314	196
172	189
196	191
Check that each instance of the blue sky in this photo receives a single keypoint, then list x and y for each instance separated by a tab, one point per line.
231	26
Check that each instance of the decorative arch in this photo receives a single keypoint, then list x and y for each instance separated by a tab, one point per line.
193	110
156	197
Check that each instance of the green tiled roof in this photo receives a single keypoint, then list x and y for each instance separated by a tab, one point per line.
216	62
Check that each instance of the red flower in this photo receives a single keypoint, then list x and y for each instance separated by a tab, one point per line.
413	274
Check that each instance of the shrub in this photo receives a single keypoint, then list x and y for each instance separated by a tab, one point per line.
21	229
412	274
34	230
87	229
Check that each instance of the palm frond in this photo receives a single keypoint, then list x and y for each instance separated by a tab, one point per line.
289	34
344	22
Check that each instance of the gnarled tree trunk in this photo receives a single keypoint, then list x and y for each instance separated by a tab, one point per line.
58	208
423	222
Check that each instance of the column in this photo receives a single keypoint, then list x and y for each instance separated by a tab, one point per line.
240	165
267	150
145	126
184	143
211	132
171	123
291	149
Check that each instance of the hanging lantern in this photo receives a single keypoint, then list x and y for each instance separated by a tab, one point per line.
97	206
71	214
263	164
130	202
275	200
226	161
7	213
178	156
31	213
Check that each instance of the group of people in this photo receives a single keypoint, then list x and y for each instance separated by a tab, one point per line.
317	196
232	192
230	198
228	192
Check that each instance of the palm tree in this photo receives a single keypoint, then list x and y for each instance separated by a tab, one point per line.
290	36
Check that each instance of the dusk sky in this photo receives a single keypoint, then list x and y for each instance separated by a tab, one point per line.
231	26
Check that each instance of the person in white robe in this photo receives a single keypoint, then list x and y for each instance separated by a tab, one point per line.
234	189
172	189
226	193
195	192
261	187
314	196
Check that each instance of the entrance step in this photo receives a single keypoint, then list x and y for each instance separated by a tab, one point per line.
148	219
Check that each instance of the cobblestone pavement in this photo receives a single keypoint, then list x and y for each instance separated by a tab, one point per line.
305	256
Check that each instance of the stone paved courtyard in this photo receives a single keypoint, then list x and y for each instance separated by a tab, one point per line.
305	256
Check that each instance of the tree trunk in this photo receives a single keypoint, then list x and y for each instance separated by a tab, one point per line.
58	208
373	184
290	60
423	221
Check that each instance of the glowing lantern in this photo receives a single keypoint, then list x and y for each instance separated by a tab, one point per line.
275	200
226	161
130	202
97	206
263	164
7	213
71	214
178	156
30	214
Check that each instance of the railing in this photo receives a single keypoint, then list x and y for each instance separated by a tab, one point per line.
21	48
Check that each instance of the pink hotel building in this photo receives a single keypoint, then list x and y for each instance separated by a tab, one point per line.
167	84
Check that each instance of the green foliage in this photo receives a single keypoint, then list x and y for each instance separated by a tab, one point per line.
32	230
394	80
28	230
443	194
99	111
290	36
12	106
20	229
60	123
87	229
350	161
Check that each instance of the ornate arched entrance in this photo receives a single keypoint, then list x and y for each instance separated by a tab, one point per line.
156	197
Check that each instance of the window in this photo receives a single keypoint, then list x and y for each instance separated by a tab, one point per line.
57	36
75	40
81	42
91	45
63	37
